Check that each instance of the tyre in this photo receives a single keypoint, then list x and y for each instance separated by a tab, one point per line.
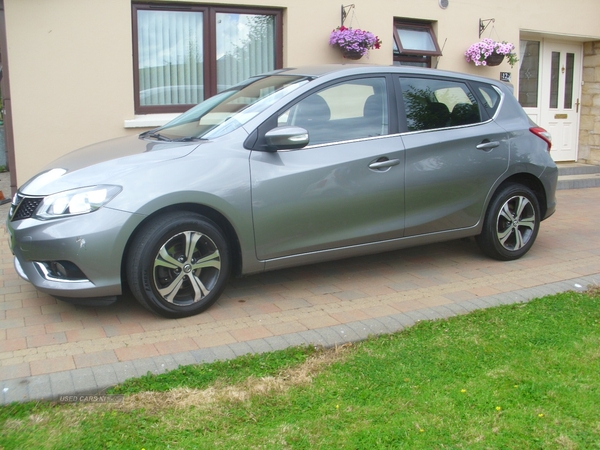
178	264
511	223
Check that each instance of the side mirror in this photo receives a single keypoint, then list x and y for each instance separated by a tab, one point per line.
286	138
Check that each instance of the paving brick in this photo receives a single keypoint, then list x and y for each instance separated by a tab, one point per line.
21	370
250	333
52	365
39	387
10	345
223	352
61	383
123	329
23	312
214	340
176	345
205	355
12	324
136	352
25	331
260	346
42	319
281	328
85	334
95	359
276	342
42	340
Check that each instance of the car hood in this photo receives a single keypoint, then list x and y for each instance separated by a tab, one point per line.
98	163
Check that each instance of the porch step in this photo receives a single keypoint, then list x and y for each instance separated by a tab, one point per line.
578	176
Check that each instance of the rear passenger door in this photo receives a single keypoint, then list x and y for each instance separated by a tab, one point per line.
454	152
345	188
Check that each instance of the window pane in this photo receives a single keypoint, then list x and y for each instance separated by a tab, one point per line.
432	104
170	57
351	110
569	81
554	74
245	47
415	39
529	74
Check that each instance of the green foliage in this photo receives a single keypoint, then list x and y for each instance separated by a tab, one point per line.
521	376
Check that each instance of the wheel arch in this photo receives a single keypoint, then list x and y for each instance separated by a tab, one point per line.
213	215
530	181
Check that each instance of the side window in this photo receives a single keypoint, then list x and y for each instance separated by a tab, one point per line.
491	98
435	103
353	109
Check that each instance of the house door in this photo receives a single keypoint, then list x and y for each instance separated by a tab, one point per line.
561	97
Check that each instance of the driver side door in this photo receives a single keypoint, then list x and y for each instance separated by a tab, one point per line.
345	188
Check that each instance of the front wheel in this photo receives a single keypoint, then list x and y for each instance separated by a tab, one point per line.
511	223
178	264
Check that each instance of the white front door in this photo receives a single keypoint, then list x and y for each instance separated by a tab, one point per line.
558	100
561	94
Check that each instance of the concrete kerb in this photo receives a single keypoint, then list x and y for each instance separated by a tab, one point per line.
96	380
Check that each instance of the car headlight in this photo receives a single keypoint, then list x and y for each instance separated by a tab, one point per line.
76	201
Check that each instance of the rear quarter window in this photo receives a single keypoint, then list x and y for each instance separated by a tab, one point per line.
490	98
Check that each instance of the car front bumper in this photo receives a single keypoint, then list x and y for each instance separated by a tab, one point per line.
94	243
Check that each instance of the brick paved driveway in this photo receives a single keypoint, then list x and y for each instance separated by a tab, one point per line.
49	348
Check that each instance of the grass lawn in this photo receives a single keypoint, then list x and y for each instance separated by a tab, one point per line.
524	376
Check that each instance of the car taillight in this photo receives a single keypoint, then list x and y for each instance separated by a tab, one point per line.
542	134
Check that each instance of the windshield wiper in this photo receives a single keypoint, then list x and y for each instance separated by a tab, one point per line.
187	139
157	136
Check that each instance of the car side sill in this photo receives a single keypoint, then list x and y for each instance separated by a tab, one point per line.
366	249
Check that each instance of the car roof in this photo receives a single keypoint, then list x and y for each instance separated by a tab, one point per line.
337	70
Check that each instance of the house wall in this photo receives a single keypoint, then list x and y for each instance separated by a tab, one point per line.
71	60
589	136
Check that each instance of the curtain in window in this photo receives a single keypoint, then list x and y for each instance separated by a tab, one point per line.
170	54
245	47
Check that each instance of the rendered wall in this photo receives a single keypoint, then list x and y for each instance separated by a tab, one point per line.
71	60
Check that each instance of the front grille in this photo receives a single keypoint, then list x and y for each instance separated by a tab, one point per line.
24	207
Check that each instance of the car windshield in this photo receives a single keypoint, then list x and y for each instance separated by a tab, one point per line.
228	110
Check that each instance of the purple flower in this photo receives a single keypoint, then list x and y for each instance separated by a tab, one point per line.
478	52
354	40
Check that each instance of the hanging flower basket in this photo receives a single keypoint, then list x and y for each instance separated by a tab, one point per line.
351	55
494	59
353	43
491	53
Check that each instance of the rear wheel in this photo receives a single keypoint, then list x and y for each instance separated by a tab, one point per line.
178	264
511	223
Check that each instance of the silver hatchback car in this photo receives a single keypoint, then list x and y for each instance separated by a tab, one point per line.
292	167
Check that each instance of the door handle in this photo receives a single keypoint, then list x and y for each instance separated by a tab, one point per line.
383	164
488	145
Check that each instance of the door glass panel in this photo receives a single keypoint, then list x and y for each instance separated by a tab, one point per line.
351	110
245	47
432	104
529	73
554	76
569	80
